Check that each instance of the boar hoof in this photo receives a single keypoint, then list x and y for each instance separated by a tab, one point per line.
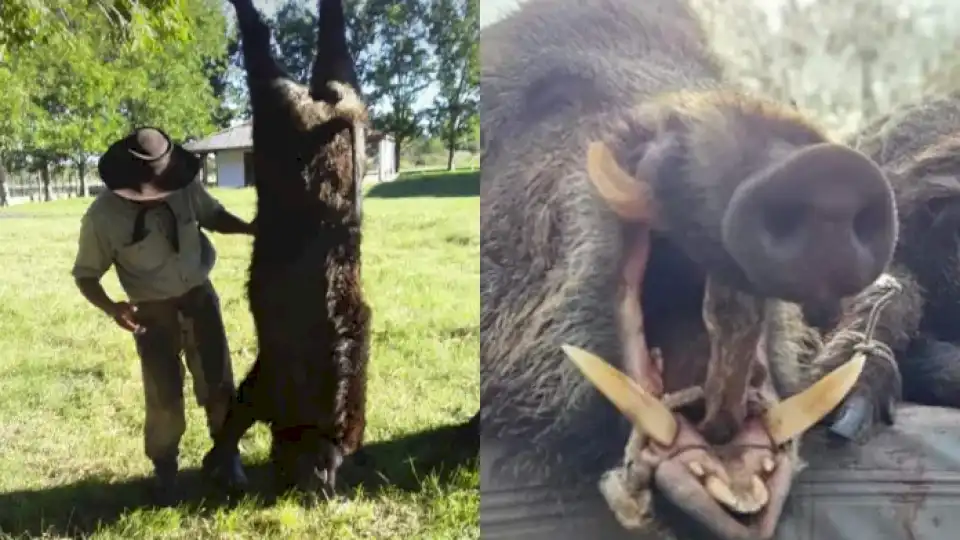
855	418
632	505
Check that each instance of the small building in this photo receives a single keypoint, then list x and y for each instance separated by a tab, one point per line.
232	149
380	157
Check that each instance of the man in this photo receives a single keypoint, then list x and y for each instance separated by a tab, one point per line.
147	224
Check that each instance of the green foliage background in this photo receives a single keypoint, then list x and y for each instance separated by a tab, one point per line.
78	74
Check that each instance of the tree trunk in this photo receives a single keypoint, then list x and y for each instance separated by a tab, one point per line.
396	154
3	185
45	178
451	142
82	171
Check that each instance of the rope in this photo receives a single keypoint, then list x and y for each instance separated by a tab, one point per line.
866	342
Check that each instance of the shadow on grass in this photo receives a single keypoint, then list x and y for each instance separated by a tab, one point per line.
78	509
452	184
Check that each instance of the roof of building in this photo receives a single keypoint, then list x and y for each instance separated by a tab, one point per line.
240	137
233	138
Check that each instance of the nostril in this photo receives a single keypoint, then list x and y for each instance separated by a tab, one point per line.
870	222
781	221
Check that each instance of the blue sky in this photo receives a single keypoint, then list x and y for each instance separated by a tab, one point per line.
269	7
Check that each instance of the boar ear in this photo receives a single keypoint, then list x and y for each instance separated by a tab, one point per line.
630	196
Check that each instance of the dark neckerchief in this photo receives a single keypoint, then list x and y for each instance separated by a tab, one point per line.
139	224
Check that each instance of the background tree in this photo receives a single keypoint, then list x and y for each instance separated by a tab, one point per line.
227	89
172	88
845	61
72	88
294	28
454	32
400	69
14	106
294	32
402	51
78	74
388	43
75	91
362	18
141	23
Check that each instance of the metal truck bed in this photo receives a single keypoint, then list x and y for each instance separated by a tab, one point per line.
902	485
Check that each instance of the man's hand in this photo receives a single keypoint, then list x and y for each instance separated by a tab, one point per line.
125	315
224	222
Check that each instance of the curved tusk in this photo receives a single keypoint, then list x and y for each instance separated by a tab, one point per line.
644	410
795	415
751	504
628	197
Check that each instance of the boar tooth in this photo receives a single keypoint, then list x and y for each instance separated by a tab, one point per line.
768	465
795	415
627	196
751	504
760	494
645	411
696	468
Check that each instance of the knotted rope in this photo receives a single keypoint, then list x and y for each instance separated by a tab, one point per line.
865	341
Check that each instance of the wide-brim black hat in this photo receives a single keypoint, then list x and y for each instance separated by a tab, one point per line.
147	165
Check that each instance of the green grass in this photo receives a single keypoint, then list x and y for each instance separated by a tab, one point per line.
71	408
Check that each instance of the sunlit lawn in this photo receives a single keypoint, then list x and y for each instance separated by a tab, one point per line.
71	458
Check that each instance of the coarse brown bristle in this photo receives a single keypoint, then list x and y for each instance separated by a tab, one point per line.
703	105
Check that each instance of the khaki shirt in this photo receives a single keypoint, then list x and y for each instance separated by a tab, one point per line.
148	269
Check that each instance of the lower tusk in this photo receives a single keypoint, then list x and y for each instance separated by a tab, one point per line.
751	504
795	415
645	411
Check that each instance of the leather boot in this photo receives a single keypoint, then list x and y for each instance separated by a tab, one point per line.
165	481
226	470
